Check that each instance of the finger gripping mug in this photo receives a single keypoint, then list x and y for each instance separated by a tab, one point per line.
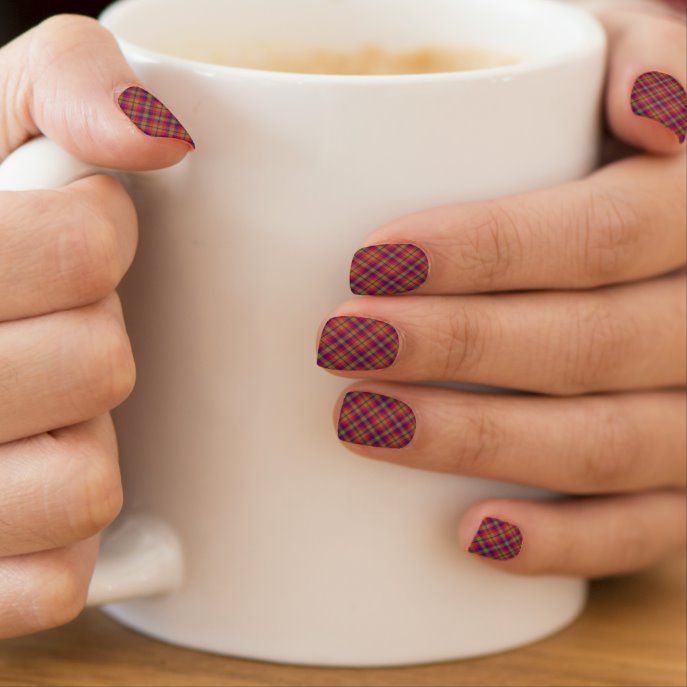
247	529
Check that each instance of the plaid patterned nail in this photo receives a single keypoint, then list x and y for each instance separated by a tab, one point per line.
497	539
357	343
388	269
375	420
659	96
151	116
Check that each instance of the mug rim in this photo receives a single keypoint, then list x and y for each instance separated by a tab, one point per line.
587	21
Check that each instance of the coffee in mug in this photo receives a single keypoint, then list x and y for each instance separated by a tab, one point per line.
370	59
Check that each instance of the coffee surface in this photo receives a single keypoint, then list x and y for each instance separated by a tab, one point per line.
366	60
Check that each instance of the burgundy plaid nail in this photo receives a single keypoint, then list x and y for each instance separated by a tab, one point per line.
357	343
151	116
497	539
375	420
659	96
388	269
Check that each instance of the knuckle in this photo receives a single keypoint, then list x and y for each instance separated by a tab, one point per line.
96	496
58	43
110	373
489	244
673	34
480	444
60	22
610	231
606	463
60	597
57	36
42	207
629	542
463	346
598	340
87	254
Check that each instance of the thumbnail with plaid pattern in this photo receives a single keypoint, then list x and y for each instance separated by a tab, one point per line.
357	343
375	420
388	269
661	97
151	116
497	539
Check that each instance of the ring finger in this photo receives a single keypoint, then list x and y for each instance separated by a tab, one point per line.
557	343
601	444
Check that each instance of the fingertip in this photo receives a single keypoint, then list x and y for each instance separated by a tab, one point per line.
139	133
151	116
144	155
643	120
102	115
468	526
492	531
647	100
659	102
336	411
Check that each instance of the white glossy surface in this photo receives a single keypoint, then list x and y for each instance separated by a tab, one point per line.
296	550
40	164
139	556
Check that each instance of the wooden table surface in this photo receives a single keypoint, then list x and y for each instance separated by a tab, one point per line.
631	633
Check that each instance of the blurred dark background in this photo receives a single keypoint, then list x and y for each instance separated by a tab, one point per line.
16	16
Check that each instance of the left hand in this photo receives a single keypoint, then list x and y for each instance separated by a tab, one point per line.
594	324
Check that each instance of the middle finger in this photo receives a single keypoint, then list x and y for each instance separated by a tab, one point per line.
63	249
62	369
550	342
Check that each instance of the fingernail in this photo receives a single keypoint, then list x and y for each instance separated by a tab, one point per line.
660	97
497	539
388	269
357	343
375	420
151	116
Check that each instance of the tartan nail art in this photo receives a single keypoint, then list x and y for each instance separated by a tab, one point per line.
357	343
660	97
151	116
497	539
388	269
375	420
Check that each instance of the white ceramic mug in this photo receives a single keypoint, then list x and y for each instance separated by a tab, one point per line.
254	531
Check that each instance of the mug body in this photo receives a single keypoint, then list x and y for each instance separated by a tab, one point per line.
296	550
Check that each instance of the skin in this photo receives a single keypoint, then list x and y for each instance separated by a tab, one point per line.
65	358
576	293
602	317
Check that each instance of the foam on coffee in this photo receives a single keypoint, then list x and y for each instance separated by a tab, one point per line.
365	60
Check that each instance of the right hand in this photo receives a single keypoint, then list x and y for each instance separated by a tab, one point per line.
65	358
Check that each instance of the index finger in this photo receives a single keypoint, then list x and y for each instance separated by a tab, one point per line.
623	223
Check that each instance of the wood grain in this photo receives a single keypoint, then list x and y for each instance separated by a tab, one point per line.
632	633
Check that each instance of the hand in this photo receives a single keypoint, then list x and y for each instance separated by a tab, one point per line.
576	293
65	358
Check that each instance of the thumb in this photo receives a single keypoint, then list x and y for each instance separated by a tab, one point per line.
646	99
68	79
